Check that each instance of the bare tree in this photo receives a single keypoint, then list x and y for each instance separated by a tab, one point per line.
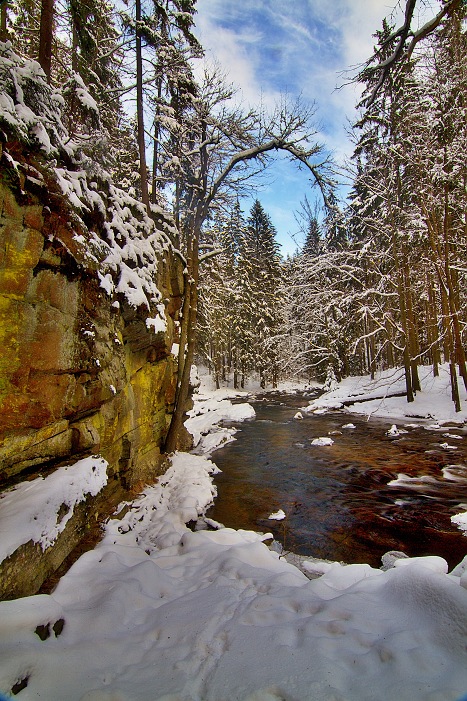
223	149
143	171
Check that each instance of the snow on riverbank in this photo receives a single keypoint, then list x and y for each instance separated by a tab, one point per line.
160	612
378	397
381	398
209	410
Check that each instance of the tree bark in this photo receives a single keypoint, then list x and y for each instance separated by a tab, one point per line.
459	353
155	155
46	37
432	327
413	343
143	171
187	341
3	22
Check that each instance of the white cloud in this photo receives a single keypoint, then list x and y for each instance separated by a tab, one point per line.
306	47
236	51
322	42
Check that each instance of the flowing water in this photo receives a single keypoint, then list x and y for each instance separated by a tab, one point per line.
336	498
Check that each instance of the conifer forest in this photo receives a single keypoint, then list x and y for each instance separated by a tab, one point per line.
381	278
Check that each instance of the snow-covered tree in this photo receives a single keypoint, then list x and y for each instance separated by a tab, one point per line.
241	308
260	257
407	212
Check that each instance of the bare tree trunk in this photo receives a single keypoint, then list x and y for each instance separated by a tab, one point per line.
46	37
459	353
405	339
414	348
454	384
3	22
432	326
187	341
155	156
390	346
74	49
143	173
450	344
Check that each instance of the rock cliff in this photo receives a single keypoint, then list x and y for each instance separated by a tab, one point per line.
90	292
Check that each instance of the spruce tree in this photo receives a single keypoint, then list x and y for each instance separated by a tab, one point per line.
262	251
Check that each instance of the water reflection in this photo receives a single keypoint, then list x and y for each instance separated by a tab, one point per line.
337	498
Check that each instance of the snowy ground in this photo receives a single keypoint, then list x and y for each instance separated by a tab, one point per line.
378	397
160	612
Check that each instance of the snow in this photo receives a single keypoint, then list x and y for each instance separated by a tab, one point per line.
322	440
166	612
277	516
127	253
32	510
394	432
208	412
378	397
446	446
461	520
158	324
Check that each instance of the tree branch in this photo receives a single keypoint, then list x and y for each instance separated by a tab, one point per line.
402	51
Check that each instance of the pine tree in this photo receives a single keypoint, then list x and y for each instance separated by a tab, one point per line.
262	251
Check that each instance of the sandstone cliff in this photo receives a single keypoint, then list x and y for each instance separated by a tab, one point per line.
90	291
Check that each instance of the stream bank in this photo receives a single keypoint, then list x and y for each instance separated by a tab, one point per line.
338	500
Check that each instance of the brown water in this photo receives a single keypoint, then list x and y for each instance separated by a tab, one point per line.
337	499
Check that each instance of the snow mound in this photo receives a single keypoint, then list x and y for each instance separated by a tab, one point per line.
446	446
208	413
382	396
39	510
158	611
277	515
322	440
394	431
461	520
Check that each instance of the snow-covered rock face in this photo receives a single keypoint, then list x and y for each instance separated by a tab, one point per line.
90	290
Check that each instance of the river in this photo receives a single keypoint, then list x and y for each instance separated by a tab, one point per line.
337	500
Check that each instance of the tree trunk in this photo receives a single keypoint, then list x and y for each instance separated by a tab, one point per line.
454	385
143	172
187	340
414	348
432	326
74	49
390	346
3	22
405	335
155	156
452	294
46	37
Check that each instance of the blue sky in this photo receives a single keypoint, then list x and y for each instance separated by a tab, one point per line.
302	47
